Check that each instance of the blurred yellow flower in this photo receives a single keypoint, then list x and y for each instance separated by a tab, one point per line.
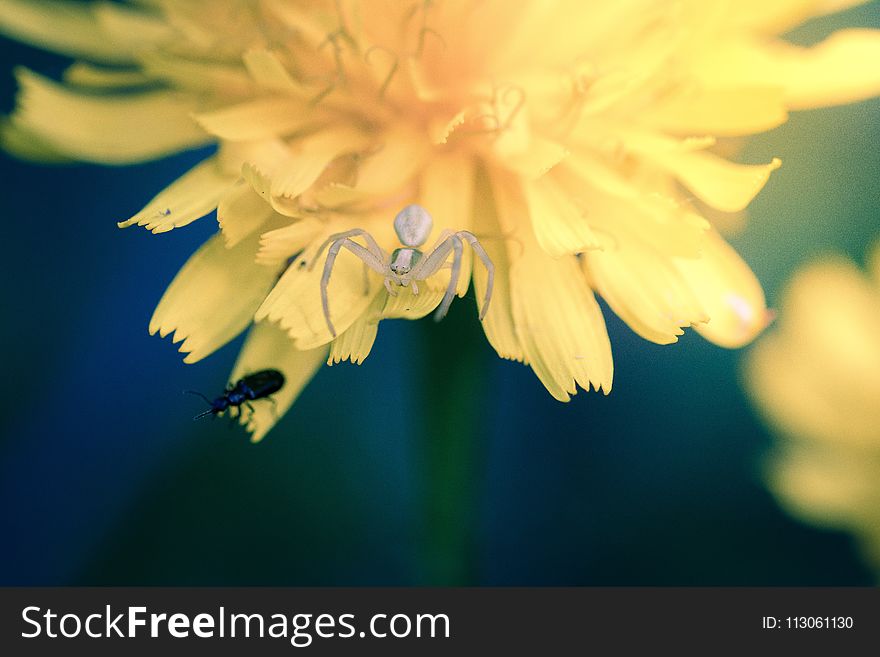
574	138
816	378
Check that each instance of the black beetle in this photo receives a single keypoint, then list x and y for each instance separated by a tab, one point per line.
258	385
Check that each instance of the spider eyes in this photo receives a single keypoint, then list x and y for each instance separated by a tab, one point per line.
403	260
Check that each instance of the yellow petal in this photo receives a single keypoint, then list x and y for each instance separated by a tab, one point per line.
259	171
561	228
723	112
215	30
836	71
618	208
258	119
357	340
241	211
832	319
555	315
441	127
801	398
308	159
724	185
269	347
498	322
513	34
728	291
540	156
269	72
81	29
106	129
295	301
645	290
281	181
447	192
817	377
560	325
194	75
213	298
399	155
831	487
264	154
817	380
278	245
258	179
407	305
132	28
188	198
307	25
82	74
24	144
831	301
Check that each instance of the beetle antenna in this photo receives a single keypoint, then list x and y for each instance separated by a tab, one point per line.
198	394
210	411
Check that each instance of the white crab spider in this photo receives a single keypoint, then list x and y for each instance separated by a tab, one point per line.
407	265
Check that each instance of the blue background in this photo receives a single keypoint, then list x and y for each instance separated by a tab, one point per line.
105	480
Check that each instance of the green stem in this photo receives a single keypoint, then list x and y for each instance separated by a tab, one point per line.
452	450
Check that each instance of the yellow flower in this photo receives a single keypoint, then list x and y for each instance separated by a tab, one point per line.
573	138
817	380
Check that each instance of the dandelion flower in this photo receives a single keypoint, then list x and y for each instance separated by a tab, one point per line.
817	380
575	139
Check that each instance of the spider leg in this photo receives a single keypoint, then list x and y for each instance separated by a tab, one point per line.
453	278
435	261
369	258
444	234
389	287
372	245
471	239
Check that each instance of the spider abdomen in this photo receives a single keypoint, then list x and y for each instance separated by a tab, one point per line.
413	225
